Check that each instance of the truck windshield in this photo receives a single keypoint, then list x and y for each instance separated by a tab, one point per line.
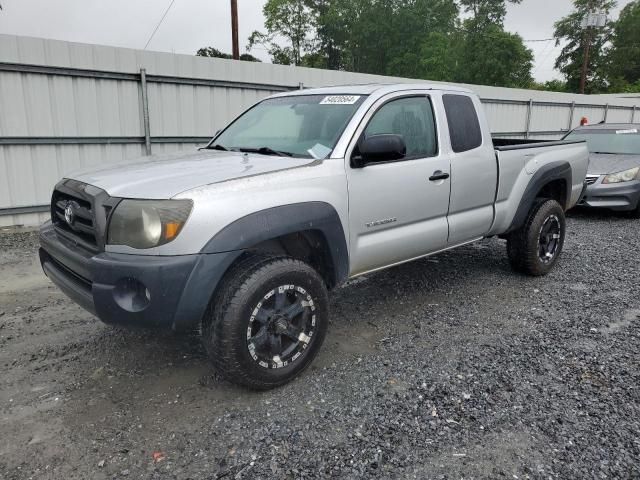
621	141
299	126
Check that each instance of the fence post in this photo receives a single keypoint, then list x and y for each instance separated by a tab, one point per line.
529	112
572	112
300	86
145	111
633	114
606	113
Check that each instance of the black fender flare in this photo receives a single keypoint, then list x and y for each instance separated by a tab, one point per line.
544	176
275	222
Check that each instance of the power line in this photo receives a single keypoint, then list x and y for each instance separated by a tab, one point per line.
540	40
541	62
159	23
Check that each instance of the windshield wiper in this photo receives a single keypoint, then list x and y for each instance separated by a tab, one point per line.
216	146
266	151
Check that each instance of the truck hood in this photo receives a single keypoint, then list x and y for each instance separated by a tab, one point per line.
601	164
161	177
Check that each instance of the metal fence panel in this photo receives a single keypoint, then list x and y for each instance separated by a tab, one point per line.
550	117
65	106
506	117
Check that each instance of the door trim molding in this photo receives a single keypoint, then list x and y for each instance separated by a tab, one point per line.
377	269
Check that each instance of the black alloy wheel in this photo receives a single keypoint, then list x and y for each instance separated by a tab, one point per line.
549	239
267	321
535	248
281	326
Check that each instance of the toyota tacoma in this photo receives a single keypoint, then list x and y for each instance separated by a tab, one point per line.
244	239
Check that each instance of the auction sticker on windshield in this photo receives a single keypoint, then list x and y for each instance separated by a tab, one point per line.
626	132
340	100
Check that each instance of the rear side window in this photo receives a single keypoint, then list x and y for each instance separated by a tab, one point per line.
464	128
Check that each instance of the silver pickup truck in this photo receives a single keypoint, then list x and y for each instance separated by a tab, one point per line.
244	239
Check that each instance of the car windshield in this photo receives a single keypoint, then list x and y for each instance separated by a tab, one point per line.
301	126
624	141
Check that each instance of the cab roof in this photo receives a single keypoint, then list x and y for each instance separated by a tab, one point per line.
371	88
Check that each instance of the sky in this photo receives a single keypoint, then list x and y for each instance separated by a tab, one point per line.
191	24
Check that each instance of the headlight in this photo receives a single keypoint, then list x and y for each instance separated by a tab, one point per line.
626	176
147	223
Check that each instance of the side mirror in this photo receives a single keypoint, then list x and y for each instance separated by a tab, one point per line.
379	148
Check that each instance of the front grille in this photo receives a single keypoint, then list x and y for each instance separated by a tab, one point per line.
591	179
83	221
80	213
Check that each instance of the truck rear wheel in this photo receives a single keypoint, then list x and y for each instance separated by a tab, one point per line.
267	322
535	248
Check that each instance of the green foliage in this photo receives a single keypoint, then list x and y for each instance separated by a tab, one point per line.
409	38
570	60
624	55
492	56
291	20
486	12
413	24
215	53
439	56
550	86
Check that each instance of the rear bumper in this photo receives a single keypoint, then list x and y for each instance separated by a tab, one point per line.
134	290
616	196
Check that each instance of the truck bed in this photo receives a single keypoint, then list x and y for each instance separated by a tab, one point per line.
506	144
519	160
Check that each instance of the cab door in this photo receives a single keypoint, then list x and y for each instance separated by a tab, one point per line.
474	170
398	208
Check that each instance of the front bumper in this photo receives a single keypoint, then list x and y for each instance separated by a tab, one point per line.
615	196
134	290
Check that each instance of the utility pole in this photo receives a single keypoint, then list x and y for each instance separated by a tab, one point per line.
590	22
585	62
234	29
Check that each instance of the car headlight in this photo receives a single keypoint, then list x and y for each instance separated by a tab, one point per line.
147	223
626	176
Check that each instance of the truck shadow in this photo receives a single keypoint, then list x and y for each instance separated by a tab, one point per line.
363	311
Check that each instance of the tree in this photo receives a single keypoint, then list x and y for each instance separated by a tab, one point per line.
487	12
550	86
331	34
624	54
495	57
215	53
571	58
291	20
410	38
415	23
380	36
487	54
439	56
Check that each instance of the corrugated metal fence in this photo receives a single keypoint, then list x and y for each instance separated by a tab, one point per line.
65	106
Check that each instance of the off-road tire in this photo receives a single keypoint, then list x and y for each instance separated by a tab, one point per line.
523	245
227	319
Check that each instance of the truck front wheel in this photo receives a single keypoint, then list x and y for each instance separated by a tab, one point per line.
267	322
535	248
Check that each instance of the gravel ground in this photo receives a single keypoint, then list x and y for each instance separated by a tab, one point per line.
449	367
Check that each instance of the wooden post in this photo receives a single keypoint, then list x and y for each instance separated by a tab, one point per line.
234	30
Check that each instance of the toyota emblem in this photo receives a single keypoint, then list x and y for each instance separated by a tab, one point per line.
69	216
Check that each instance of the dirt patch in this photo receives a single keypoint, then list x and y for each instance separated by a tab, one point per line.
450	367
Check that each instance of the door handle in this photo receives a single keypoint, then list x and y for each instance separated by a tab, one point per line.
438	175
